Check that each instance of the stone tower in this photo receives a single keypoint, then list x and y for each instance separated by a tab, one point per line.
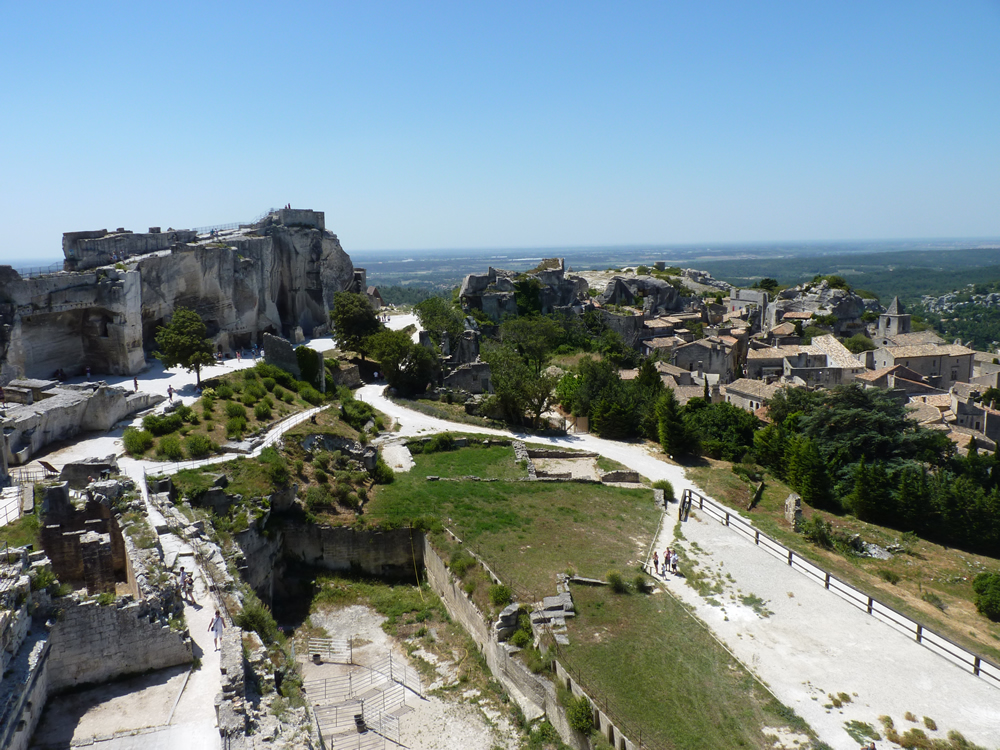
893	321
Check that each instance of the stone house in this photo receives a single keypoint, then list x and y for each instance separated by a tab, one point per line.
374	297
943	366
768	363
825	362
749	395
897	378
715	355
472	378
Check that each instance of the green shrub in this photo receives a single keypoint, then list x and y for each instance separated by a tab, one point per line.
185	412
262	411
890	576
580	714
288	397
617	583
234	409
668	489
43	579
136	441
500	595
207	405
818	531
257	617
281	377
316	497
934	600
162	424
235	427
269	383
311	395
279	393
383	473
224	391
106	599
521	639
987	598
641	583
322	461
247	399
170	447
250	375
321	476
198	446
256	389
461	563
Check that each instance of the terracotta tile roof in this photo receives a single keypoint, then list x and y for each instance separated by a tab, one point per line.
837	354
783	329
775	352
797	316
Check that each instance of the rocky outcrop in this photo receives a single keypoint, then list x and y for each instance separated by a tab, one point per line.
655	295
493	292
104	311
820	299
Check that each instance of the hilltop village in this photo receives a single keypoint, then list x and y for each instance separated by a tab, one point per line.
269	474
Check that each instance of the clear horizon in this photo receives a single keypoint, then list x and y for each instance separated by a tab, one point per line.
454	126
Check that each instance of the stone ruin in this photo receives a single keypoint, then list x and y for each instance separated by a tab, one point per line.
277	275
493	292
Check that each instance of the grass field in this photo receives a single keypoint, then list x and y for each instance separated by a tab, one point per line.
643	654
934	584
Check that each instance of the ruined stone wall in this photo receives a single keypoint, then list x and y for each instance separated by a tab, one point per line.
397	553
94	643
73	321
536	696
261	561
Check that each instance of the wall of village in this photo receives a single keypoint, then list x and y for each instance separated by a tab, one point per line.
92	643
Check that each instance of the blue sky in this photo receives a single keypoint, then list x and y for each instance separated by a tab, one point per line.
439	125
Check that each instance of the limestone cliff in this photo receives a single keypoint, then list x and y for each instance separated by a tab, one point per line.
278	276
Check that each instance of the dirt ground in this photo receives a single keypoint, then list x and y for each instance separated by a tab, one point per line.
444	718
579	468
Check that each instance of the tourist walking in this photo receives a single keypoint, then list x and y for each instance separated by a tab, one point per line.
216	628
673	562
656	562
666	558
135	384
170	392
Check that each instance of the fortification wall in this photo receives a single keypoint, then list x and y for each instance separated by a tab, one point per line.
94	643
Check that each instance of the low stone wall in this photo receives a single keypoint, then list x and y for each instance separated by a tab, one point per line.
621	476
602	723
536	696
94	643
536	453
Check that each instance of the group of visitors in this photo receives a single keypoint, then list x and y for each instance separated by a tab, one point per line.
185	584
669	565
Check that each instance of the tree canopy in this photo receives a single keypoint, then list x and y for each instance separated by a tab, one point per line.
353	320
439	318
406	366
183	342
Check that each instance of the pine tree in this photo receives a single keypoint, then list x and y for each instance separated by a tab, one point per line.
183	342
674	436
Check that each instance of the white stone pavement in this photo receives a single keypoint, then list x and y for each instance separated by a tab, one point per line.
814	643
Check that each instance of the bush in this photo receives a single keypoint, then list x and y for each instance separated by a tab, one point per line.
234	409
580	714
383	473
269	383
890	576
262	411
987	599
617	583
818	531
170	447
521	639
256	389
461	562
224	391
500	595
247	399
668	489
311	395
317	496
185	412
235	427
136	441
162	424
288	397
258	618
321	476
207	404
640	583
198	446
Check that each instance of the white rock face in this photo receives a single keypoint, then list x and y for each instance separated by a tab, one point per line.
268	278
